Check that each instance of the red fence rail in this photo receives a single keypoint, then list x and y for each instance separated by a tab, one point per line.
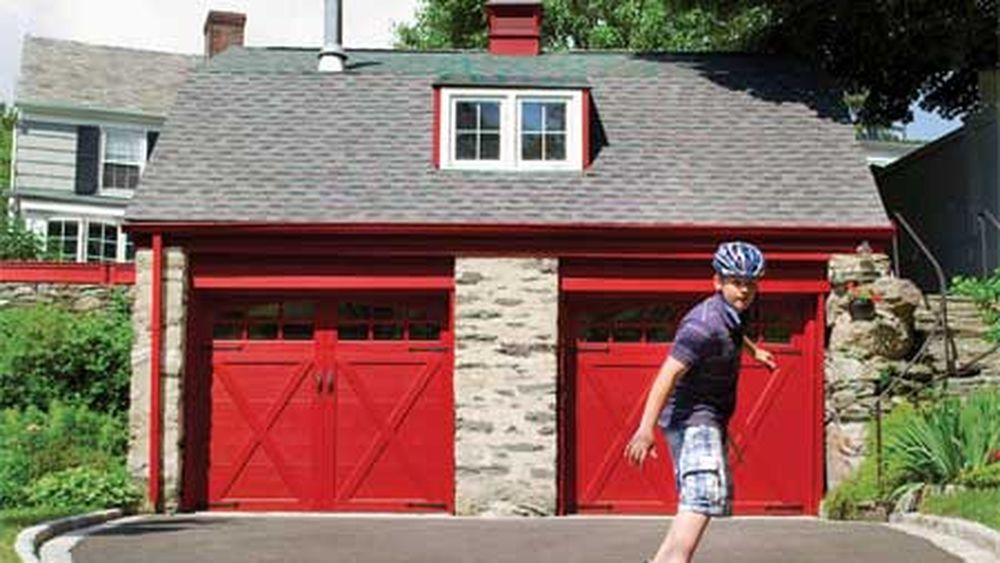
68	273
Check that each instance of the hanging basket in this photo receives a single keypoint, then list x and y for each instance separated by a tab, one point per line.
861	309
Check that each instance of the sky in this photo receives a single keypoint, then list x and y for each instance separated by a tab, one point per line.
176	26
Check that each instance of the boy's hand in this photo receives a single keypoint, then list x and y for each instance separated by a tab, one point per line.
766	358
641	445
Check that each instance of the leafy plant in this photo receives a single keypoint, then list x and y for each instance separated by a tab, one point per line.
17	242
985	292
34	443
85	486
50	353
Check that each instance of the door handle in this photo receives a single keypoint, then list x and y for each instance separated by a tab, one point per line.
331	378
318	378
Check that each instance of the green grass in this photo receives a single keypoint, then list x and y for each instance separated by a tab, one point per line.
12	521
980	505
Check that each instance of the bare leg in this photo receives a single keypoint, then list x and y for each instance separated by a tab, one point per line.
683	538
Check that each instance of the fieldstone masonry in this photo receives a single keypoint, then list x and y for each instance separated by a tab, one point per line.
76	297
860	351
175	291
505	386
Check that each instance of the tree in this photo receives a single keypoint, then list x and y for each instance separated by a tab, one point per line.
891	52
7	119
641	25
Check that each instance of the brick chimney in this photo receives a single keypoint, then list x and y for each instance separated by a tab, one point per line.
223	30
515	27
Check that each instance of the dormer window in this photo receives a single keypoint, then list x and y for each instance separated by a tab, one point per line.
543	130
491	129
477	130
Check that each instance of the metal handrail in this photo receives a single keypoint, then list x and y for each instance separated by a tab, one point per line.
982	217
943	286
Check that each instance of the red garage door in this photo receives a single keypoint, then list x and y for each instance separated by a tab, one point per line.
614	350
331	403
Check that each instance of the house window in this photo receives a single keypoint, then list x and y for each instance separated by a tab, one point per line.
124	155
477	130
543	130
102	242
492	129
62	239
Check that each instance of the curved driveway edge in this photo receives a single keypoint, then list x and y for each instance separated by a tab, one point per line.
981	543
31	539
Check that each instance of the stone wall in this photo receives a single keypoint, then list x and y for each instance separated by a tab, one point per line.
77	297
860	352
175	292
505	386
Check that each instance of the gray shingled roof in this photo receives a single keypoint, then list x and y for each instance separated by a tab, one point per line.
72	74
260	136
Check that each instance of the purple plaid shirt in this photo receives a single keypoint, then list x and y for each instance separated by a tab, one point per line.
708	342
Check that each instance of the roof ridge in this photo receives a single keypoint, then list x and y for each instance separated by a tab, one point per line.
40	38
483	51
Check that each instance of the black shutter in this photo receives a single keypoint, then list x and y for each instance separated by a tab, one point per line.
151	137
88	159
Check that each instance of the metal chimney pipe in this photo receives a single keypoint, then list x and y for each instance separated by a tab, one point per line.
332	56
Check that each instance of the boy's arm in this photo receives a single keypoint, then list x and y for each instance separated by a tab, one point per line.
759	354
642	441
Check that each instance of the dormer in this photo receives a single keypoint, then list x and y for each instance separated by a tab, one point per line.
510	122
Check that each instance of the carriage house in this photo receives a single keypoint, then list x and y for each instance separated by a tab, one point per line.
443	281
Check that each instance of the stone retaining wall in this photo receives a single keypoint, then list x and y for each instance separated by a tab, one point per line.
74	296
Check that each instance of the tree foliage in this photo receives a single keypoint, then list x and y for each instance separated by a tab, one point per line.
891	52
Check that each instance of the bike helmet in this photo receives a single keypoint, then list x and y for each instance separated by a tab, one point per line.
738	260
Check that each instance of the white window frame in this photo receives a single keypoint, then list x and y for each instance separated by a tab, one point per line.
80	225
510	128
144	151
86	241
83	235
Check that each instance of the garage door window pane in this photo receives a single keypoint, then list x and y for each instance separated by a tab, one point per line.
388	332
227	331
263	331
266	311
660	334
425	331
596	334
352	332
297	332
627	334
299	310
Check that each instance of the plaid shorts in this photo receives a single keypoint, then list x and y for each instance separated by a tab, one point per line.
701	470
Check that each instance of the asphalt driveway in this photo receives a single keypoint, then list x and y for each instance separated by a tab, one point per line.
224	539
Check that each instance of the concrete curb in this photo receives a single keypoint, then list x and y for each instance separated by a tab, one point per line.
980	536
31	539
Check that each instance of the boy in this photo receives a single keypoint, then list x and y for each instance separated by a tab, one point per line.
706	352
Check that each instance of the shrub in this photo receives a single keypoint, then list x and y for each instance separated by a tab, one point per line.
17	242
84	486
50	353
951	438
983	477
985	292
34	443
